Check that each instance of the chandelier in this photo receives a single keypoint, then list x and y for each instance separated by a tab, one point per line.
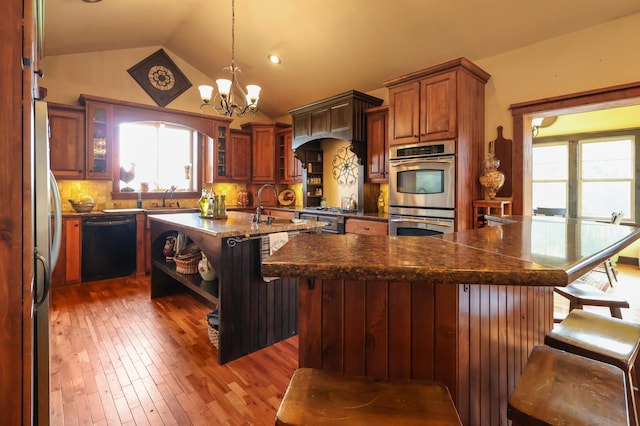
226	102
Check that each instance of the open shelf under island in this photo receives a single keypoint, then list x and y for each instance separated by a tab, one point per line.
253	313
464	309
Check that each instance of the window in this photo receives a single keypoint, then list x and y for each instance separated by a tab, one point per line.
156	157
590	176
550	175
606	178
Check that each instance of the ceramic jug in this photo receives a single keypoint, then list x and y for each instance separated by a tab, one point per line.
206	270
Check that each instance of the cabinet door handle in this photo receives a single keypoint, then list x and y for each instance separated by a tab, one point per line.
365	228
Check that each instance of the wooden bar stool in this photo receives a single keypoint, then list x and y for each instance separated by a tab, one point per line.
605	339
561	388
316	397
581	294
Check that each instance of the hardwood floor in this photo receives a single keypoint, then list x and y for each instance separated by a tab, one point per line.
118	357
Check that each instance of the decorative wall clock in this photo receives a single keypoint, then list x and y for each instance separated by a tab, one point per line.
345	166
160	77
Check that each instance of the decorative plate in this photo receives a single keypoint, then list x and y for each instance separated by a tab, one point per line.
287	197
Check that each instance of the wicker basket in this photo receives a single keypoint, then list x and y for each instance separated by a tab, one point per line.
214	335
187	260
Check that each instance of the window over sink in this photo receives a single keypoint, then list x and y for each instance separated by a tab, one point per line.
157	156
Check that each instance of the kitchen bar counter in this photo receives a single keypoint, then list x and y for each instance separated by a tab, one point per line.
464	309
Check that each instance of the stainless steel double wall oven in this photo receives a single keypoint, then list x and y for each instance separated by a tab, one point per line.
422	188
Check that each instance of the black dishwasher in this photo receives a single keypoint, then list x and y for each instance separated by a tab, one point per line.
108	247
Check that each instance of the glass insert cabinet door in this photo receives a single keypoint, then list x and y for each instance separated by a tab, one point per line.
100	136
218	155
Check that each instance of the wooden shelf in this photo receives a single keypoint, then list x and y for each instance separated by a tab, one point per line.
497	207
208	290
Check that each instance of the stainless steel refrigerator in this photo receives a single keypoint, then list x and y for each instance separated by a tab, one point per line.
46	206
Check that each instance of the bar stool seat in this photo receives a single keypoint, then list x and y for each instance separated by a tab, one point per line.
317	397
580	294
561	388
605	339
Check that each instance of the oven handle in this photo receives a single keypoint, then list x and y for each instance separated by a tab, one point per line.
396	163
425	221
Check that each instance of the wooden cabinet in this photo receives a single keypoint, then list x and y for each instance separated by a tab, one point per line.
263	151
365	227
67	141
378	144
445	101
338	117
290	167
69	267
217	156
424	110
99	145
240	156
427	105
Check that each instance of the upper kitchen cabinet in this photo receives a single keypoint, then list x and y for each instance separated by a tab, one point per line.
378	144
67	141
219	155
263	150
290	166
240	150
441	102
339	117
99	144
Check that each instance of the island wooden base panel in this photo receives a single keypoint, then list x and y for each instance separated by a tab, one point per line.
475	339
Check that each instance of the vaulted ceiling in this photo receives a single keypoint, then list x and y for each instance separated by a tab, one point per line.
327	46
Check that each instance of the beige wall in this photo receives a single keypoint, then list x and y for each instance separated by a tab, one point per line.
105	74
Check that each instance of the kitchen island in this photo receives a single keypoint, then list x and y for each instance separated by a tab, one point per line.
464	309
253	313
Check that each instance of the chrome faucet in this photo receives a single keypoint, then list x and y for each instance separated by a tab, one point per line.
259	208
164	197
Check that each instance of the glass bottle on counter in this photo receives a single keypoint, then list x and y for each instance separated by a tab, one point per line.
203	203
380	203
222	206
212	203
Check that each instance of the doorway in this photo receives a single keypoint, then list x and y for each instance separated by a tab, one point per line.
523	113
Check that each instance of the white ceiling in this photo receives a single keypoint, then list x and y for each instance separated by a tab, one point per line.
327	46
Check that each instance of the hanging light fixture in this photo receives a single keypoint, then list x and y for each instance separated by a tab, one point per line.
227	102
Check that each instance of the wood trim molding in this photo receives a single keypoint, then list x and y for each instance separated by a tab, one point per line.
592	100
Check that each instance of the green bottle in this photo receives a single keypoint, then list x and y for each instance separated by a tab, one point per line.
203	203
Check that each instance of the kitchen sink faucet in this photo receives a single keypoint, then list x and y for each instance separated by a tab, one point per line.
164	197
259	208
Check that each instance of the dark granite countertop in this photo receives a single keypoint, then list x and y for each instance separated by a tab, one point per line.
530	251
237	224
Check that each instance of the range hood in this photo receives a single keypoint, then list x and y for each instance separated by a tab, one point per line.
338	117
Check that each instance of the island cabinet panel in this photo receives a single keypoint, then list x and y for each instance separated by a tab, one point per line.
473	338
253	313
